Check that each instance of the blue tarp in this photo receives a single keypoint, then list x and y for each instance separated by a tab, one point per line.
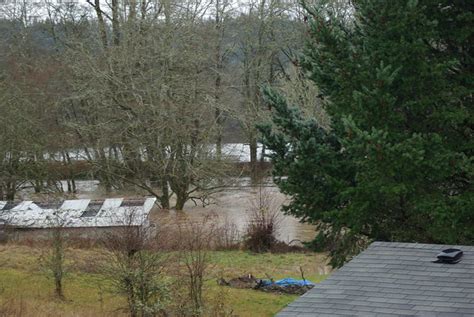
288	282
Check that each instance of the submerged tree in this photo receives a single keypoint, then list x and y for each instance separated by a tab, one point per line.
263	48
144	91
396	164
143	101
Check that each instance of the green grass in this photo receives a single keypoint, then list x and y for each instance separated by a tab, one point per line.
33	294
26	291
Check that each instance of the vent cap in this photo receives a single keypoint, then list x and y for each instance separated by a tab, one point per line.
450	256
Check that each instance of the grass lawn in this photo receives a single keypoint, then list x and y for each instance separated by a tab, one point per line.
25	289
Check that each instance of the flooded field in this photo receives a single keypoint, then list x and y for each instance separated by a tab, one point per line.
234	206
231	206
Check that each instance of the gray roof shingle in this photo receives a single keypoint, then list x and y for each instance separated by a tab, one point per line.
393	279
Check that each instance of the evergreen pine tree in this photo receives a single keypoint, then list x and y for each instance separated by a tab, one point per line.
397	163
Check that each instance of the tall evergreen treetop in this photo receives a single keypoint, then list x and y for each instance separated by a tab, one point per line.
397	164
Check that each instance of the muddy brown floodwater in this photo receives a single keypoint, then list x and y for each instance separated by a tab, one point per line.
231	206
234	206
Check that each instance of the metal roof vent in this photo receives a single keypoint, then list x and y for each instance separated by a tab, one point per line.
450	256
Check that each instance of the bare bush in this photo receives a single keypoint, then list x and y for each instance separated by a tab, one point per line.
135	269
218	306
196	242
193	240
53	261
227	236
264	219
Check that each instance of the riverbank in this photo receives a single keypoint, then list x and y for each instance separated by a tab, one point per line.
26	290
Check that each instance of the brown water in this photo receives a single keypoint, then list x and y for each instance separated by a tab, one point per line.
234	206
231	206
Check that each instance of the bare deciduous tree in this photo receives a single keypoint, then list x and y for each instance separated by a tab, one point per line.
140	89
261	52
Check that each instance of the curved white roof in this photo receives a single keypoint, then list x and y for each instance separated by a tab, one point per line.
77	213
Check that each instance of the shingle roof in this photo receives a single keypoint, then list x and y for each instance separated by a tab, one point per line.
393	279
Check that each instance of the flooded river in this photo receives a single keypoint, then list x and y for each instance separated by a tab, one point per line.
232	206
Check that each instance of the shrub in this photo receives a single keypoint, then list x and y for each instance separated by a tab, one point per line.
265	217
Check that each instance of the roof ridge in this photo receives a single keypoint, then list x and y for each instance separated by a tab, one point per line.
416	245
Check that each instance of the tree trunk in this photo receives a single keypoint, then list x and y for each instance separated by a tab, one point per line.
253	160
218	81
165	196
38	186
59	288
181	198
57	264
102	174
11	191
262	155
131	298
218	136
101	22
73	183
115	22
